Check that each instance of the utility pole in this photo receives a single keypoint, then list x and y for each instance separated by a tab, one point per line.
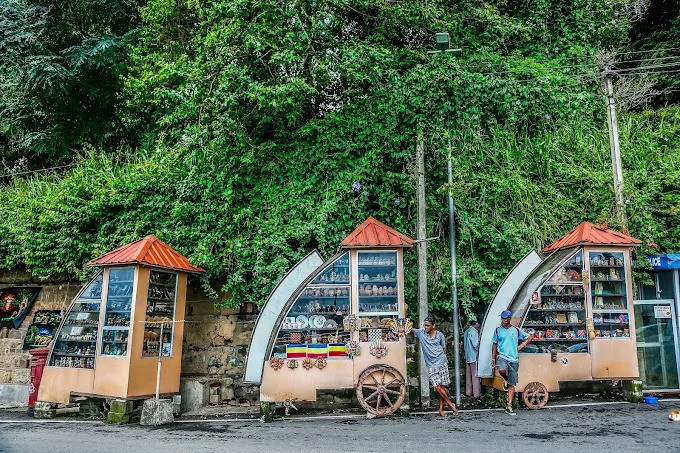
617	170
422	263
454	280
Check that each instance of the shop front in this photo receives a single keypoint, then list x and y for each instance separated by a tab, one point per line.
577	302
657	318
125	321
337	325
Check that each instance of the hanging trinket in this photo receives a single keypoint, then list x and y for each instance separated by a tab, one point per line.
276	363
404	327
351	322
321	363
292	364
378	349
353	349
308	363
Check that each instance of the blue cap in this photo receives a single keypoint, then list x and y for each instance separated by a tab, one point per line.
506	314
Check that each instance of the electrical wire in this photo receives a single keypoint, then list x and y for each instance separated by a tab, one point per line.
19	173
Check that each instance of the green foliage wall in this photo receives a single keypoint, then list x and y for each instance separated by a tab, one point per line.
268	129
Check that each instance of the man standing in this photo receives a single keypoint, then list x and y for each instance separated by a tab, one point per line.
505	346
434	352
473	385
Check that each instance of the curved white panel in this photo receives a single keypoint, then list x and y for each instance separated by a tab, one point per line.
266	322
505	294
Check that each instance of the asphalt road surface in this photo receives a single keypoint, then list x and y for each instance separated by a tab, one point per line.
610	428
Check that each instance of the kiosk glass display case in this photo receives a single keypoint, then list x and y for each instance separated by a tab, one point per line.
111	328
558	318
337	325
609	295
77	337
315	318
117	313
160	313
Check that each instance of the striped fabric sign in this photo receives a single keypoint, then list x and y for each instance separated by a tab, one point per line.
314	351
337	350
296	351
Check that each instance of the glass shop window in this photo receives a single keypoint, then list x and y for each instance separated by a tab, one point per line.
609	293
338	272
116	328
160	314
76	341
313	327
378	295
558	317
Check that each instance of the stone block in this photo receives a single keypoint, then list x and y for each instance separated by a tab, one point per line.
194	393
13	394
156	412
21	376
117	419
227	393
120	407
176	404
17	334
43	409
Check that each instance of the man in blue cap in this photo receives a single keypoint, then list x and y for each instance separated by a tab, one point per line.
506	346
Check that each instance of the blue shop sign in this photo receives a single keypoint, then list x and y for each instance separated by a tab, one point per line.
665	262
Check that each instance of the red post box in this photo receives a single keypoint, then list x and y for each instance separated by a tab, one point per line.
38	359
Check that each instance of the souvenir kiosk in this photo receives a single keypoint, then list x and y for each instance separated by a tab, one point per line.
338	324
110	338
578	304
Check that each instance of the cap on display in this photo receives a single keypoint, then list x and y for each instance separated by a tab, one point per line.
506	314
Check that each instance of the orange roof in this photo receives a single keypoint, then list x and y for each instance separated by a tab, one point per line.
589	234
372	233
149	251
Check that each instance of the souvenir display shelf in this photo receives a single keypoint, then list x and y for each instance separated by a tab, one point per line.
558	318
116	329
41	332
609	295
160	312
77	337
316	316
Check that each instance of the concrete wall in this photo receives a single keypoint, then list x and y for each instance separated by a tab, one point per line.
14	361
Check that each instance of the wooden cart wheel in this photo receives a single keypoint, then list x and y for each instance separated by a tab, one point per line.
535	395
381	389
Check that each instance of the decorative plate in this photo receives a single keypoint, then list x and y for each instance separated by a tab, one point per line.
302	321
330	324
308	363
317	321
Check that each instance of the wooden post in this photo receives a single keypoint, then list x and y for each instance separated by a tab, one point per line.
422	264
617	170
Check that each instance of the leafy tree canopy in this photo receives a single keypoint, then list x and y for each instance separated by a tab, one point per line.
264	129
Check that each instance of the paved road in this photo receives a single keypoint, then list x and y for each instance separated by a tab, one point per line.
612	428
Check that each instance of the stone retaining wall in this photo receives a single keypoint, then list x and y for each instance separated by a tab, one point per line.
215	346
14	361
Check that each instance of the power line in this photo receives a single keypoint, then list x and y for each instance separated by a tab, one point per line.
19	173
